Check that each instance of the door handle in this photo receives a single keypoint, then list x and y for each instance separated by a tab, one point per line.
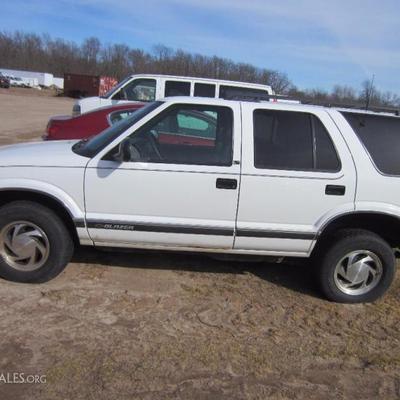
223	183
335	190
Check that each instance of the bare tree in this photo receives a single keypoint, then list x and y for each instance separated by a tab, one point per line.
369	94
19	50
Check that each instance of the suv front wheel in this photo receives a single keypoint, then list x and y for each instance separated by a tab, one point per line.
35	245
358	267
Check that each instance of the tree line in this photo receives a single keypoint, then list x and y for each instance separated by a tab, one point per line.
29	51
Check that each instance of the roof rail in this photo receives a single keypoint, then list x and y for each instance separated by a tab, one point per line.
277	98
388	110
260	97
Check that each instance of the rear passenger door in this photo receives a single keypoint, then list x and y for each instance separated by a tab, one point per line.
297	172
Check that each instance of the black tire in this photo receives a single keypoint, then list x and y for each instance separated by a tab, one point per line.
343	243
59	242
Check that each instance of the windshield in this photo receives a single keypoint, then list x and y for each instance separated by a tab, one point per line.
89	148
116	88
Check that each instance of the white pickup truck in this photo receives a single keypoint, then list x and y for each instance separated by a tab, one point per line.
216	176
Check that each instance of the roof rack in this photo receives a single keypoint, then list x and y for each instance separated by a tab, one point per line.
388	110
283	98
261	97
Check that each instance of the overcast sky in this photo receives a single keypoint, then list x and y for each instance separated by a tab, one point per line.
317	43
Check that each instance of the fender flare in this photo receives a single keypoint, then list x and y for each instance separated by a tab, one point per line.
46	190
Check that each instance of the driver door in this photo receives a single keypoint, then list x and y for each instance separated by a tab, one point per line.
179	187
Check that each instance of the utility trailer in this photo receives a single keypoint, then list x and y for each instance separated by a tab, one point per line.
80	85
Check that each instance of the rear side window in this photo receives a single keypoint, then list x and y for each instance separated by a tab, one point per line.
204	90
292	141
381	137
240	93
177	88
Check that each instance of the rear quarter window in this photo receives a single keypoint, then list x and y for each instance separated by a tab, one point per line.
380	135
242	93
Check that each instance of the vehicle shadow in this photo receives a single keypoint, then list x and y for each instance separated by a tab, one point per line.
294	274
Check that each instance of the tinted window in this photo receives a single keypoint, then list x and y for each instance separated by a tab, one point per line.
233	92
326	158
138	90
186	134
177	88
292	141
381	137
204	90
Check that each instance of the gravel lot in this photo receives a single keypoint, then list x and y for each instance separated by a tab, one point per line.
149	325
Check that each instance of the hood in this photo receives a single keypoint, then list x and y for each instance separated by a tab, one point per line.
41	154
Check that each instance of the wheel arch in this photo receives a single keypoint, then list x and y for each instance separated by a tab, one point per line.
383	224
49	200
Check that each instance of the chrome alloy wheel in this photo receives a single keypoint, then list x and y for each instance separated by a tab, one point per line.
24	246
358	272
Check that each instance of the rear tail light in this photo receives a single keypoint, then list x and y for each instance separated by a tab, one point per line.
51	130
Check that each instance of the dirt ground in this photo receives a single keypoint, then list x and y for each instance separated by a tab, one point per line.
149	325
24	113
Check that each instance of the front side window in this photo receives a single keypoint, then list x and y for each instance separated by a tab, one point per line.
137	90
289	140
177	88
186	134
381	137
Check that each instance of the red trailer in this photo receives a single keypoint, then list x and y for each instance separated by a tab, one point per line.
79	85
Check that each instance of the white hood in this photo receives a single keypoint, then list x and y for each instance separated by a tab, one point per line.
42	154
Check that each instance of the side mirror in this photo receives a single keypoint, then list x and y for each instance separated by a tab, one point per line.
123	154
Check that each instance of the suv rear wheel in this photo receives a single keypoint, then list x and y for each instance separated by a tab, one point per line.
358	267
35	245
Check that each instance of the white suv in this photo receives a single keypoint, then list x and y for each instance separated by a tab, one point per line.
216	176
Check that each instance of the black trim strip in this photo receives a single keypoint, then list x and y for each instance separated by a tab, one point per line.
197	230
275	234
140	227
